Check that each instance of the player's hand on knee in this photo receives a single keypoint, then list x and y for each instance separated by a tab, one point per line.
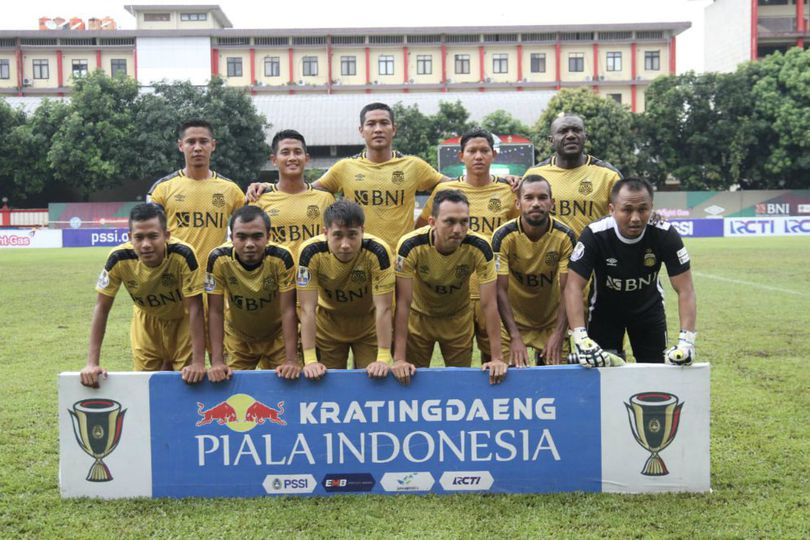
586	351
289	370
377	370
314	371
682	354
403	371
90	375
219	372
497	370
193	373
518	354
254	191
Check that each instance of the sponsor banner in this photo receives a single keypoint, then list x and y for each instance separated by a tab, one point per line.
775	226
698	228
94	237
543	430
30	238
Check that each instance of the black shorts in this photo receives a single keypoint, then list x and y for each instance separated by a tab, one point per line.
648	335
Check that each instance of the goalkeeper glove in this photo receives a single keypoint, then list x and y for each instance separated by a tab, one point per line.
683	353
586	351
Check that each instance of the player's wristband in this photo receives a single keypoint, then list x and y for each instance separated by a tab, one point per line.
384	356
310	357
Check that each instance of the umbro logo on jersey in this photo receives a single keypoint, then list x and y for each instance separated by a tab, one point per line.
179	197
359	177
611	261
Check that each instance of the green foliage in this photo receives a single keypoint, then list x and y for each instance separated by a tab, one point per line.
418	133
759	425
610	127
10	120
501	122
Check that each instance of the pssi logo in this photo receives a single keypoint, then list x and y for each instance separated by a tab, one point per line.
240	413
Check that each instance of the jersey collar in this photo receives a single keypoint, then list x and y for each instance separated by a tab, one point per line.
622	239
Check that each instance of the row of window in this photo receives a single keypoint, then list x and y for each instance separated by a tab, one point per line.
42	70
166	17
424	64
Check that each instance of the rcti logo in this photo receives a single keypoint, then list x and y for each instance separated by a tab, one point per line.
241	413
654	419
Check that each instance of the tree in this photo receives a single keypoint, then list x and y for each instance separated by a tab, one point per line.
414	130
10	119
610	127
501	122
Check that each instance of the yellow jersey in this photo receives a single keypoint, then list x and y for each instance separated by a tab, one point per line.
159	291
254	302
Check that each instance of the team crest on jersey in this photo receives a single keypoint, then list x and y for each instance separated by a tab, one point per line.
313	211
168	280
585	187
358	276
179	197
649	258
552	258
579	251
303	276
398	177
218	200
494	205
359	177
103	280
269	284
463	271
210	282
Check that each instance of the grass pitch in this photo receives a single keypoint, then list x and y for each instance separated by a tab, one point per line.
753	319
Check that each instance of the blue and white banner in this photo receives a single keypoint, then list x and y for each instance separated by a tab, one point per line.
94	237
698	228
554	429
770	226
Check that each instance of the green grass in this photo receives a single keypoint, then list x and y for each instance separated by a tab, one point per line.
753	331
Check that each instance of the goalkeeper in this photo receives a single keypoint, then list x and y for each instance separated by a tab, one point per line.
625	251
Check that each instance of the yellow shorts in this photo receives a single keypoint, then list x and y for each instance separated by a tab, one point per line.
454	335
157	342
242	355
533	338
335	335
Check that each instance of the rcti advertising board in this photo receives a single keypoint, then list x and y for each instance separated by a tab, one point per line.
557	429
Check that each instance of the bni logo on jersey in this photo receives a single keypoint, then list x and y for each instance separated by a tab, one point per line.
654	419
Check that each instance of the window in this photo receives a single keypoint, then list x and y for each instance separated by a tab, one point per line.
462	64
615	97
41	70
614	61
234	67
538	63
424	64
79	68
118	66
348	65
500	63
652	60
5	69
576	62
272	66
310	66
194	16
386	64
156	17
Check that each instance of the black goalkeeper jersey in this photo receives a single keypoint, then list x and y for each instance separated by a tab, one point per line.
626	281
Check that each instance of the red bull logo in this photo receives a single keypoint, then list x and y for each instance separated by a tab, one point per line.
241	413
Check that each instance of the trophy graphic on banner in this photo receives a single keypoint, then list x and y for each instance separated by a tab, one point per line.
654	418
97	424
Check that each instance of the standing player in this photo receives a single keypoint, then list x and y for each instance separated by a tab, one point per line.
382	181
259	324
345	288
492	203
198	202
531	254
295	208
581	183
625	252
163	278
433	269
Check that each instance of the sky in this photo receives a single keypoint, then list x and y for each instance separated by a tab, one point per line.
247	14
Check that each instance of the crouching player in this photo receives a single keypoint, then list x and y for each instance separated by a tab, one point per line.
345	288
624	252
165	282
259	326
